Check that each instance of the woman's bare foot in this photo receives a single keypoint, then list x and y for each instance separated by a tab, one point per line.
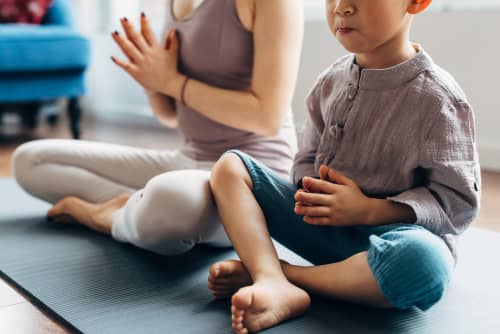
98	217
227	277
265	304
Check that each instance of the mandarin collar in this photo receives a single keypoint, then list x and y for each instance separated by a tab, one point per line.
391	77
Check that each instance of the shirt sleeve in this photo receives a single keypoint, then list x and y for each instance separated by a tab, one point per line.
309	136
449	200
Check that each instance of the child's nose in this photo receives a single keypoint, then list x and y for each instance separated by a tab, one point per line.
345	8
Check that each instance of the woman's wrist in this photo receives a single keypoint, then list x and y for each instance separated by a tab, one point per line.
174	87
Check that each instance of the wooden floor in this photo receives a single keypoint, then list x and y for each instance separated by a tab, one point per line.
19	316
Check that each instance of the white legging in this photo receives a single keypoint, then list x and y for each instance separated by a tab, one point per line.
171	207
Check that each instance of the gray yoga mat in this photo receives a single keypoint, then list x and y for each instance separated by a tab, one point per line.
95	285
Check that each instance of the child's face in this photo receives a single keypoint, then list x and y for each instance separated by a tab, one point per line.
361	26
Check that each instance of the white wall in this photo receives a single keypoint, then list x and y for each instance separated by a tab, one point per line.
463	42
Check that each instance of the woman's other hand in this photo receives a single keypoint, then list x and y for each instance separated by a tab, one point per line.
152	65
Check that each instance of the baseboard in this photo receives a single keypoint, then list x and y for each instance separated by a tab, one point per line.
489	156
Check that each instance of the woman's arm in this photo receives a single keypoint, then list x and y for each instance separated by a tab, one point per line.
163	108
278	31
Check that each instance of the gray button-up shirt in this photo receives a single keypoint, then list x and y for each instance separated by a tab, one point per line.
405	133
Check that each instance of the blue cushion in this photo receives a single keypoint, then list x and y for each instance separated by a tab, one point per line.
30	48
15	87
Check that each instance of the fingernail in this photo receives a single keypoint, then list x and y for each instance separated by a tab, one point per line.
125	19
113	59
216	272
143	15
116	33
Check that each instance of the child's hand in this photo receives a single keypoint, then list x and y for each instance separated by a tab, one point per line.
152	65
334	200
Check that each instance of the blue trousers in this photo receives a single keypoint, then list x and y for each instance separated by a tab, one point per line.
412	266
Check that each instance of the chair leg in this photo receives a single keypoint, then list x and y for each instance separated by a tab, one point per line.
74	113
29	114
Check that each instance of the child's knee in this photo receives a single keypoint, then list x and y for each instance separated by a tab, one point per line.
229	167
412	267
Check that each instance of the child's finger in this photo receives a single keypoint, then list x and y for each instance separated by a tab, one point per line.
313	211
319	186
323	172
320	221
313	198
339	178
147	32
127	47
132	34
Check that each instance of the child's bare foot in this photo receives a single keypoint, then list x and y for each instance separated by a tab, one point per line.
227	277
96	216
265	304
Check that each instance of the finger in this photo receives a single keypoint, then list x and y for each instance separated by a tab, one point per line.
314	198
320	221
174	47
128	67
147	32
339	178
313	211
132	34
168	41
319	186
127	47
323	172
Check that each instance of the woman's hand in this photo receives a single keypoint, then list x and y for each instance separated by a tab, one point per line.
153	66
333	200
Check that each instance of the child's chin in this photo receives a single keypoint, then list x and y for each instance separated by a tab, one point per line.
353	48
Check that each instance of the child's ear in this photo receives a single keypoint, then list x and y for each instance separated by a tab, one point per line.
417	6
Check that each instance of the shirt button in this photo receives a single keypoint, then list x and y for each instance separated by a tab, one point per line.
333	130
351	94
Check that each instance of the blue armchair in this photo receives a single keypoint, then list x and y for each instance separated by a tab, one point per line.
44	62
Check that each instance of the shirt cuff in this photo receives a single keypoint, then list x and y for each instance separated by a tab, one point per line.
299	171
428	212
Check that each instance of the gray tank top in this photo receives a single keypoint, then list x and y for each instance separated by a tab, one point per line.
216	49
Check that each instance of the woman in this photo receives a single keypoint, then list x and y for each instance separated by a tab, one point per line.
225	77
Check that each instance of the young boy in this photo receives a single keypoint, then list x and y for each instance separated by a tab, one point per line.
387	173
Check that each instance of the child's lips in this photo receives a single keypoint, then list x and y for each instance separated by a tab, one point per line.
344	30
